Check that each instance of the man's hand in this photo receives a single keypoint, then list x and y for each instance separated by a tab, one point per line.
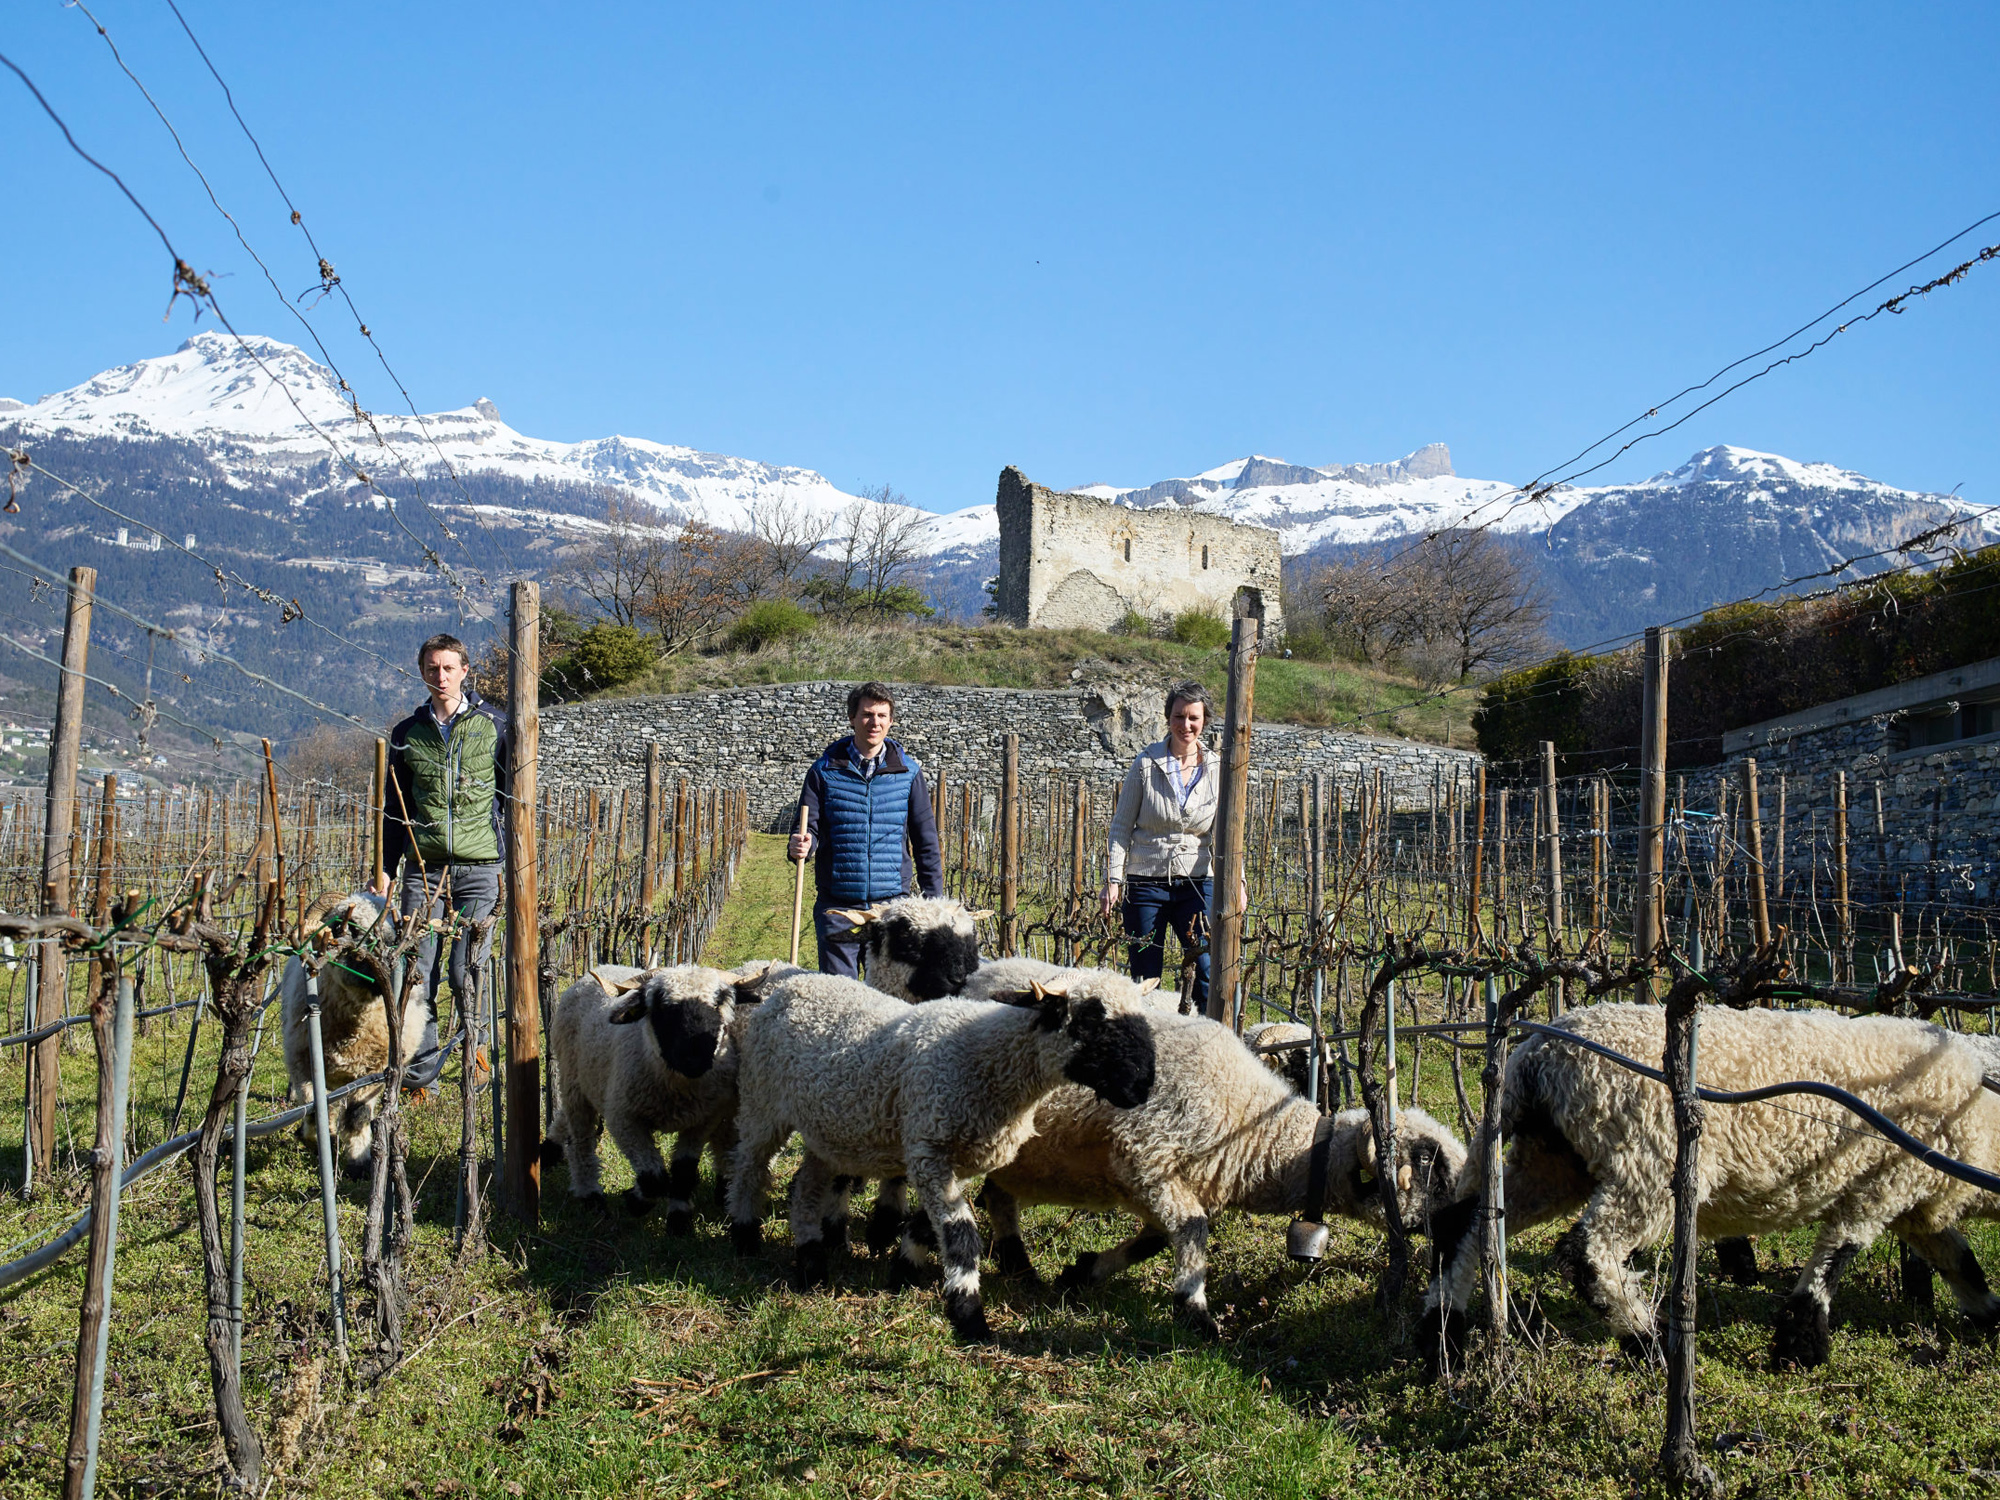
800	846
1108	898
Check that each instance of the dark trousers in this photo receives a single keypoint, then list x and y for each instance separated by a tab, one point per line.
840	940
471	890
1151	907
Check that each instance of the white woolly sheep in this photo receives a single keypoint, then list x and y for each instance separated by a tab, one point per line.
938	1092
918	948
675	1074
1219	1131
354	1034
1588	1132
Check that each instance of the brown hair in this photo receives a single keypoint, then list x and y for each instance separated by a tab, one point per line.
442	643
1190	692
869	692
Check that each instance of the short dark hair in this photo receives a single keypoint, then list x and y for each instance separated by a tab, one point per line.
1190	692
869	692
442	643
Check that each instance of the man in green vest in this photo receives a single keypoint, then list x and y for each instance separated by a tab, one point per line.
444	822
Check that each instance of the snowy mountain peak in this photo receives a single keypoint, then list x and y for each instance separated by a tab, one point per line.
8	403
1726	464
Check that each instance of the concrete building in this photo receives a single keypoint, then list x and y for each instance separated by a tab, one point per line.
1071	560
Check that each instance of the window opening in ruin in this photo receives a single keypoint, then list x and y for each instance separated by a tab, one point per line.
1204	557
1128	549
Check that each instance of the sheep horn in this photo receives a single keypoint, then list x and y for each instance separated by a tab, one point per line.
616	986
1047	992
981	914
857	917
1149	984
1403	1177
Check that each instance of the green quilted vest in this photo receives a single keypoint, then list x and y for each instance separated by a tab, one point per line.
451	820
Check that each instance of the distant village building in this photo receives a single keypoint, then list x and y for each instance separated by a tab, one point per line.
1069	561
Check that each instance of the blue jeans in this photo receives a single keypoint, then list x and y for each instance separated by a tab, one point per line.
1151	906
474	892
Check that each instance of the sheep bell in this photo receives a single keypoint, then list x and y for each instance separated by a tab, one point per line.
1305	1241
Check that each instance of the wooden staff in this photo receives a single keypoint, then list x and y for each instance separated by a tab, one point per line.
799	891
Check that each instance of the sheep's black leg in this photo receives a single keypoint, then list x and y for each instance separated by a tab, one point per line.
1441	1331
1736	1259
1095	1266
1952	1258
652	1183
1804	1333
916	1252
943	1200
809	1192
885	1223
833	1225
750	1179
683	1177
1010	1255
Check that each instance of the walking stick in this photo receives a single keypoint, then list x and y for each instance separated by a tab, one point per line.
798	892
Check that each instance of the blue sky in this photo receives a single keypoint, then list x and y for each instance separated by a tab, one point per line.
1106	244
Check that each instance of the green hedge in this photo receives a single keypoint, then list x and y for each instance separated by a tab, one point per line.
1746	662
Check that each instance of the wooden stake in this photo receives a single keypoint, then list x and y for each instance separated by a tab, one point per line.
1760	911
1010	845
523	1165
798	890
1225	928
1652	798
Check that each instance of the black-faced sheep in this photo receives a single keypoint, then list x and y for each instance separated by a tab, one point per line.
1587	1132
1220	1131
938	1092
920	947
676	1073
354	1033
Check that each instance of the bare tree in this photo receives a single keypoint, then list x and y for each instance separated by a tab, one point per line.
702	580
1467	606
870	563
1359	604
790	535
618	569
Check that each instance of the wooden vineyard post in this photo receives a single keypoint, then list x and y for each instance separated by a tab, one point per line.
378	800
1552	831
1472	925
1840	907
523	1168
649	835
1010	845
58	824
1225	927
1760	910
1076	892
680	834
1652	800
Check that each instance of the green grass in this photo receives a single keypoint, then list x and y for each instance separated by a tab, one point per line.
1288	692
600	1357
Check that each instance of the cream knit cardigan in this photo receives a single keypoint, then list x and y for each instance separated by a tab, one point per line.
1151	834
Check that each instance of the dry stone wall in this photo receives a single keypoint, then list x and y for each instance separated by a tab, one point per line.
766	737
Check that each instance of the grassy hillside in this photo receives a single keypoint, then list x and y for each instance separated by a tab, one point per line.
1288	692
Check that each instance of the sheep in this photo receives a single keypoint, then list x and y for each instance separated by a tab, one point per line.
354	1033
1588	1132
919	947
889	1221
938	1092
676	1073
1294	1062
1220	1131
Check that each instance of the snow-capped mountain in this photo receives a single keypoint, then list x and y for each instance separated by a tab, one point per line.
251	424
260	406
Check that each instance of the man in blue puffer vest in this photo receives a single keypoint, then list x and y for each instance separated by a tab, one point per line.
867	812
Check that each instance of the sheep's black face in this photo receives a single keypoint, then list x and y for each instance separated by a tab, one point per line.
939	960
1116	1058
687	1032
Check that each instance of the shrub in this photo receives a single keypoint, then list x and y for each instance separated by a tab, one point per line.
1195	627
604	656
768	621
1133	623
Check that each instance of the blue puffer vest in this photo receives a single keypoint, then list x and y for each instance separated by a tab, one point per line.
862	825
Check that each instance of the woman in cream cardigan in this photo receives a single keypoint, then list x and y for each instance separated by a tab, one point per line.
1160	841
